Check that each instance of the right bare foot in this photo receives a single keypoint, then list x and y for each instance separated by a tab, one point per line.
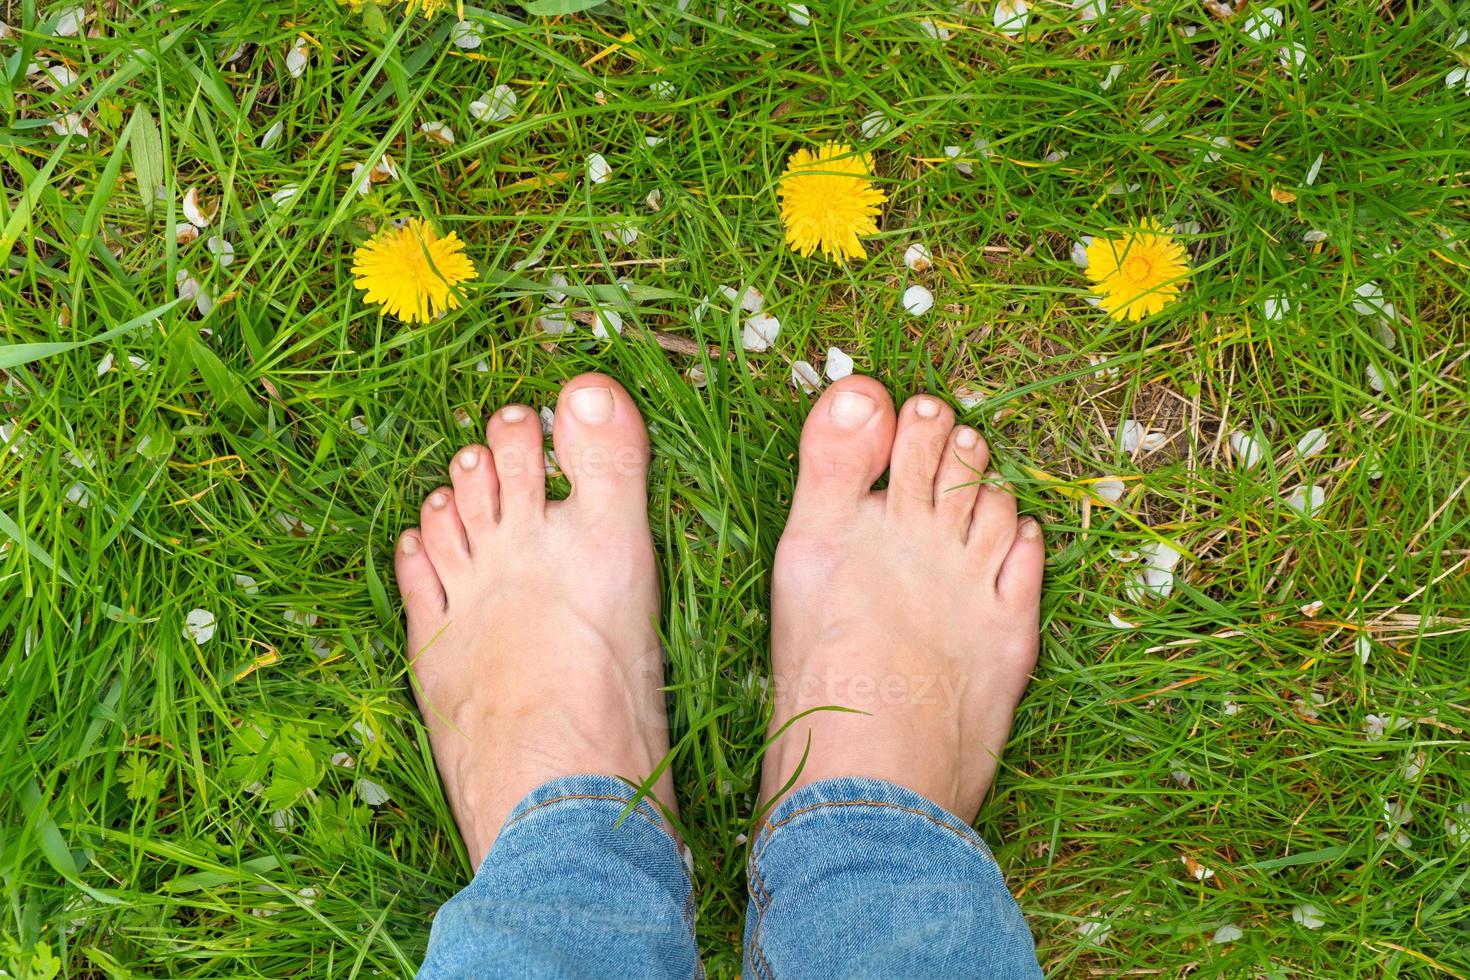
918	605
531	623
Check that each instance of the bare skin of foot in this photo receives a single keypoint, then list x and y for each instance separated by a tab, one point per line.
531	623
917	605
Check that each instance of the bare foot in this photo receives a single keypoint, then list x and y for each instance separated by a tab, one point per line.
918	604
531	623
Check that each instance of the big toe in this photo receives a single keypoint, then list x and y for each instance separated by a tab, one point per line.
845	442
601	443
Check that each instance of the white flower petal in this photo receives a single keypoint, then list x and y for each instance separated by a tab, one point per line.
199	626
622	232
760	332
917	300
1363	647
1308	916
247	584
284	195
1110	489
1130	435
553	321
71	21
1112	76
664	90
804	377
606	323
1079	251
1011	16
1315	169
1313	236
1249	448
297	58
1090	9
1276	307
1305	500
1293	59
1228	933
1370	300
496	105
105	363
343	760
1120	622
70	124
875	125
221	249
61	76
194	211
935	30
838	366
598	170
371	793
1217	143
1312	443
272	134
799	14
466	34
1260	25
1380	380
918	257
438	131
1149	582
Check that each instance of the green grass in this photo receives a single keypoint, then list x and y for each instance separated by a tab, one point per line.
129	842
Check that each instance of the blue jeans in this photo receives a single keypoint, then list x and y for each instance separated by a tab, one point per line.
850	878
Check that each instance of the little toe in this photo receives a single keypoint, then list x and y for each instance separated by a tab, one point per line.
845	443
957	483
601	445
443	535
993	525
1019	582
924	425
515	439
419	585
476	491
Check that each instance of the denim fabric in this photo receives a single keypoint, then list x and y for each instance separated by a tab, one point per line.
862	878
567	892
850	878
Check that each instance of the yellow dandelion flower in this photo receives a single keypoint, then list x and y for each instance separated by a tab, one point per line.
411	272
828	200
1138	273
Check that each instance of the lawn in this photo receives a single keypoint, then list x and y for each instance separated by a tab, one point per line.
211	761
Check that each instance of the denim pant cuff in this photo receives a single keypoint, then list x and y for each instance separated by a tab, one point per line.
577	884
861	791
589	792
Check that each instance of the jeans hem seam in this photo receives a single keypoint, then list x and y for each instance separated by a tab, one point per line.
968	834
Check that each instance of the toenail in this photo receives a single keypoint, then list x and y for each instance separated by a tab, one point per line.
592	406
1030	530
469	459
438	500
410	544
966	438
850	410
927	408
513	413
